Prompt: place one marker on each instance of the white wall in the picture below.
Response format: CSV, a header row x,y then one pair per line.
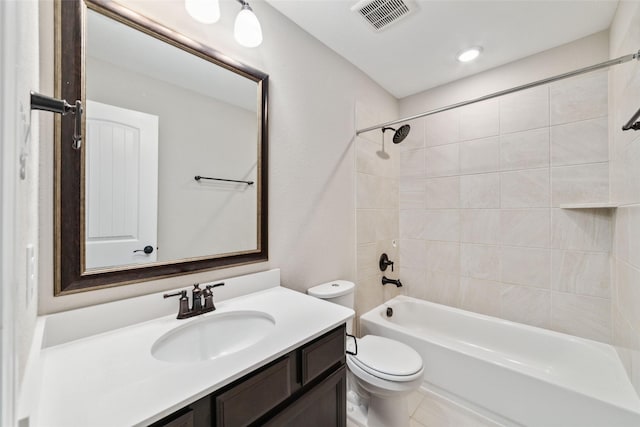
x,y
311,162
198,135
19,216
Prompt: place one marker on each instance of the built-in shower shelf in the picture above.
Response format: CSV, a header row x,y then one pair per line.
x,y
600,205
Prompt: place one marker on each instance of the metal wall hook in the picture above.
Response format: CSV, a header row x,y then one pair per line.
x,y
61,106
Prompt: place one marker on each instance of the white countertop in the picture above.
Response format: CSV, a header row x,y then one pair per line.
x,y
111,379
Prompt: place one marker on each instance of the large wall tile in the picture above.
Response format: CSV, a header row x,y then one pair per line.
x,y
527,305
365,260
411,224
414,280
480,191
411,184
442,224
580,142
376,192
524,110
581,229
366,225
525,150
442,288
580,184
526,227
369,294
413,254
412,163
480,155
442,160
443,193
633,235
627,297
413,200
525,189
443,256
481,296
442,128
480,226
479,120
526,266
579,98
480,261
387,223
583,273
586,317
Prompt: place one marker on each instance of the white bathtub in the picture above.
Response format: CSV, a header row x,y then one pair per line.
x,y
513,373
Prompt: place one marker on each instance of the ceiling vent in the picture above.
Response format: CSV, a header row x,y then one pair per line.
x,y
382,13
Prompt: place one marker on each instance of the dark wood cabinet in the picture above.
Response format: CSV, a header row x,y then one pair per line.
x,y
306,387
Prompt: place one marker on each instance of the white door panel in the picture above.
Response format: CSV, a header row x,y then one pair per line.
x,y
121,181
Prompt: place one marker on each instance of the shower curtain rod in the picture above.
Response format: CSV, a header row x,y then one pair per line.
x,y
620,60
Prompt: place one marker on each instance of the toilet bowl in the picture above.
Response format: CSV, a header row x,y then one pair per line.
x,y
382,371
387,371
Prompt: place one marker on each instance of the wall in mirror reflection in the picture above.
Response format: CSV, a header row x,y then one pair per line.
x,y
137,184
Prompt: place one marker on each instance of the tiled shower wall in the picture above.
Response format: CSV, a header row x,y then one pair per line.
x,y
376,212
480,222
625,189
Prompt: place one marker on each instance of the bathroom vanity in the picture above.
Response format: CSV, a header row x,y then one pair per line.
x,y
107,366
305,387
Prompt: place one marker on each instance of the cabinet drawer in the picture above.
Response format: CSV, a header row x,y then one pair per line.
x,y
255,396
322,354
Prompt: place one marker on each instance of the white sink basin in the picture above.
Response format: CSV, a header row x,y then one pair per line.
x,y
213,336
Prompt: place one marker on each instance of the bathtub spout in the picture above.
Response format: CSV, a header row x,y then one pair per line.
x,y
397,282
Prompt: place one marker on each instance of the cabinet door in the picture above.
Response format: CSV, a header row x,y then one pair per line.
x,y
325,405
252,398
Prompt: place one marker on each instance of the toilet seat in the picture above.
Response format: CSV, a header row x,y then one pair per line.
x,y
387,359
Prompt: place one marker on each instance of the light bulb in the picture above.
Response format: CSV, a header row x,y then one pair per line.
x,y
205,11
246,30
469,54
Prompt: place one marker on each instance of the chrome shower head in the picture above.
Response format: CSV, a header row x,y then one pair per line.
x,y
400,134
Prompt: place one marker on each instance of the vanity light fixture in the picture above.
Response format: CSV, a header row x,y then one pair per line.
x,y
247,30
205,11
470,54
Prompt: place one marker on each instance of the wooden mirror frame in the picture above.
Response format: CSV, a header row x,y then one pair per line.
x,y
69,228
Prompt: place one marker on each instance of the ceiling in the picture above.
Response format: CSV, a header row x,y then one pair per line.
x,y
419,51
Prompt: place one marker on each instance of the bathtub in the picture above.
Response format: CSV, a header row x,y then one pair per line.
x,y
511,373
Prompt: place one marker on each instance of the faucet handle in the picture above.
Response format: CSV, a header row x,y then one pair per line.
x,y
209,287
208,297
181,294
384,262
183,311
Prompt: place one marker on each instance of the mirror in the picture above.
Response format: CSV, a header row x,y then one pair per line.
x,y
171,175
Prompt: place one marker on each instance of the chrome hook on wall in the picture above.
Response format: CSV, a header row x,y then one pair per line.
x,y
61,106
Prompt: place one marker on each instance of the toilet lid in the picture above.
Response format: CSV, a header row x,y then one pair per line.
x,y
387,358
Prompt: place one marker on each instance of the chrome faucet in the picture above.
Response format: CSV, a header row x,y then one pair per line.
x,y
184,312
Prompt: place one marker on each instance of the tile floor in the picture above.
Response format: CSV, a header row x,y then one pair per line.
x,y
431,410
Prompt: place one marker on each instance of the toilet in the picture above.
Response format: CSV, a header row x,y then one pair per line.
x,y
382,373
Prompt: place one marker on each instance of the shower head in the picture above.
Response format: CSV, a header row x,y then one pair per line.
x,y
399,134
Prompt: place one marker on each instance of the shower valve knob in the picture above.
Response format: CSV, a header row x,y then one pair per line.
x,y
384,263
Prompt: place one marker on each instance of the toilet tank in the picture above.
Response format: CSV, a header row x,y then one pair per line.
x,y
340,292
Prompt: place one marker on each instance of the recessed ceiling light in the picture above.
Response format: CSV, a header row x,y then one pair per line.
x,y
469,54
